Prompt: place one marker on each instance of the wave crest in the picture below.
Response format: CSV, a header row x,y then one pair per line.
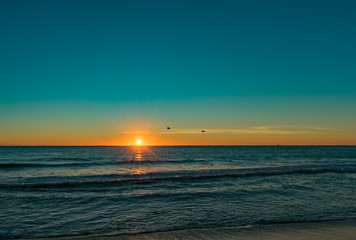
x,y
111,179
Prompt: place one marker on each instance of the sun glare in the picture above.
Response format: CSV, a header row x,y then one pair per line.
x,y
138,142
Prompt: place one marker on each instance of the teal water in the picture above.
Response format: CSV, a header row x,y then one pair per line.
x,y
86,191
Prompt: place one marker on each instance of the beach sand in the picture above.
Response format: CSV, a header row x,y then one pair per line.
x,y
335,230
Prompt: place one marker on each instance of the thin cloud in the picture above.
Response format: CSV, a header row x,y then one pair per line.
x,y
278,130
231,131
297,127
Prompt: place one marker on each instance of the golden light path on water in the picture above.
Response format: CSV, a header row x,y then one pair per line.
x,y
138,156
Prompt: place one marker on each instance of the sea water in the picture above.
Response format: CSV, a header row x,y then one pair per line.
x,y
94,191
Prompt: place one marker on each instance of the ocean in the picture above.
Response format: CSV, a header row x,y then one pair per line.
x,y
56,192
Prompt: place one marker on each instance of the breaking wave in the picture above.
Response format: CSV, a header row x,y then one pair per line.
x,y
36,165
112,179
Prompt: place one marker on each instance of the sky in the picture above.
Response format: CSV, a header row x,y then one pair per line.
x,y
248,72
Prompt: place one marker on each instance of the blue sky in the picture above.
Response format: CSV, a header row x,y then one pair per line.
x,y
202,58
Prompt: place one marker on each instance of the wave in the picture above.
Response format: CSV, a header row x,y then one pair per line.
x,y
225,231
11,165
51,159
66,158
29,165
158,161
113,179
48,165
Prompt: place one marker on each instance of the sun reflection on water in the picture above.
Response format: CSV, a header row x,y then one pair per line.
x,y
138,157
138,154
138,172
141,160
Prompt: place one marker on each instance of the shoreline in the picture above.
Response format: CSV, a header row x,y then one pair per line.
x,y
332,230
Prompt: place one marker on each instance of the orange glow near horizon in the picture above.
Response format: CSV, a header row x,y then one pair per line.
x,y
180,139
149,134
154,139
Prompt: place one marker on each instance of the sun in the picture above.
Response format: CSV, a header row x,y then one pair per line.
x,y
138,142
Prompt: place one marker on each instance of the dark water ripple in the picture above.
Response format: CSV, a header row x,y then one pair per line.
x,y
75,191
51,182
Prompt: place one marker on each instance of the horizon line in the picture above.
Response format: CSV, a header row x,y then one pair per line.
x,y
192,145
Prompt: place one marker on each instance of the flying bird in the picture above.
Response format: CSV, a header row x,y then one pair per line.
x,y
168,128
203,131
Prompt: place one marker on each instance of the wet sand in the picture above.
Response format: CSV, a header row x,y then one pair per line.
x,y
335,230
